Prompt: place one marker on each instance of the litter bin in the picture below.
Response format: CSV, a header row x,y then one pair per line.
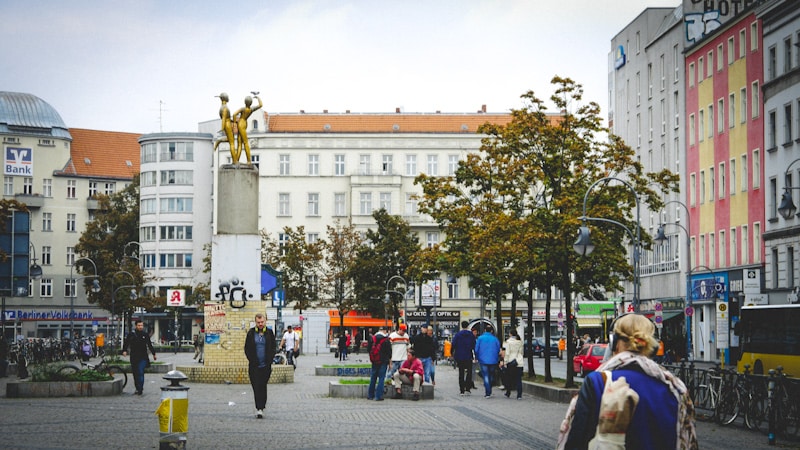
x,y
173,412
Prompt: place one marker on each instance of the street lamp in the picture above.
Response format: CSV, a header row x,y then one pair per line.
x,y
661,237
583,245
388,291
786,207
134,296
73,288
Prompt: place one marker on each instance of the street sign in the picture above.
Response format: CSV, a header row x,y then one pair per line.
x,y
689,311
176,297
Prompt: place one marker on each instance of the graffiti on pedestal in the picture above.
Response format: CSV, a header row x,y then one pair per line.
x,y
233,291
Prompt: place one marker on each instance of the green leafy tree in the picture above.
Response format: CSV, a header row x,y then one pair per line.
x,y
340,258
301,264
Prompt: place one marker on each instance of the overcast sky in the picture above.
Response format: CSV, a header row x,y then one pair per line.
x,y
155,65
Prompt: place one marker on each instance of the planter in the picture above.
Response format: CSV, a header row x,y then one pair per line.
x,y
344,371
550,393
338,390
27,389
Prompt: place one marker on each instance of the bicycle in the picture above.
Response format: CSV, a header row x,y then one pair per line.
x,y
708,391
781,406
103,367
280,357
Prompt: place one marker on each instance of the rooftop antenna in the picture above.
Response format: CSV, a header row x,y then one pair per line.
x,y
161,116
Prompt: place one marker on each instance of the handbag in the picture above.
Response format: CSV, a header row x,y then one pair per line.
x,y
295,353
336,355
511,364
617,406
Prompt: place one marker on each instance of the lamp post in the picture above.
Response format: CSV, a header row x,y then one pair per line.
x,y
661,237
114,300
583,245
786,207
395,291
73,288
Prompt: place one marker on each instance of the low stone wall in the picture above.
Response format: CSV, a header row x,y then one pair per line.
x,y
234,375
343,371
553,394
26,389
338,390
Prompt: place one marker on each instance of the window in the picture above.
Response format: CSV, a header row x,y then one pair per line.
x,y
47,253
452,164
70,256
772,63
720,61
676,58
365,203
745,245
177,151
47,221
284,204
411,205
433,165
787,124
284,165
723,252
182,177
701,68
790,267
676,108
148,206
313,204
638,88
731,51
411,165
754,102
743,106
754,36
174,232
691,74
69,288
742,42
702,186
176,205
145,179
72,188
650,80
701,127
27,186
8,185
733,248
46,287
385,201
710,121
702,249
772,211
757,242
720,115
149,153
338,165
663,117
771,131
47,187
638,130
452,289
711,184
386,165
650,124
313,165
732,177
756,170
692,130
722,184
70,222
431,238
692,190
710,70
663,68
312,238
148,261
175,260
638,43
712,250
339,204
744,173
111,186
731,109
364,164
147,234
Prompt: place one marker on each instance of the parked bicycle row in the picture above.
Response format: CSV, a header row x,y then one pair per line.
x,y
767,403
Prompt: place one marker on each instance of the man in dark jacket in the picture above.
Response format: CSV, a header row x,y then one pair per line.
x,y
259,347
425,349
463,353
139,342
377,381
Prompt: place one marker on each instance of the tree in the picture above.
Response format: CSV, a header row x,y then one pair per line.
x,y
512,209
301,264
105,241
387,252
340,252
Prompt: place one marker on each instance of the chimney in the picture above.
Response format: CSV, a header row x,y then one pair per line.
x,y
397,110
302,111
483,109
347,111
324,111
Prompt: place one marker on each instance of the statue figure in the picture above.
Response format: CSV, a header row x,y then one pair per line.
x,y
227,127
240,117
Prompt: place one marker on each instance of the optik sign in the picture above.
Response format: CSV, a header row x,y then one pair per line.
x,y
18,161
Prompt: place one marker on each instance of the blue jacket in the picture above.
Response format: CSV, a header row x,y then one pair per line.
x,y
654,422
487,348
463,345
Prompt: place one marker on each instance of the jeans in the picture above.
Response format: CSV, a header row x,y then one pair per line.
x,y
290,356
342,354
464,375
487,370
259,377
377,380
394,367
137,367
427,368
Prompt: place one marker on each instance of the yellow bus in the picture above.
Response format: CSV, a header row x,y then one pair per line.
x,y
769,336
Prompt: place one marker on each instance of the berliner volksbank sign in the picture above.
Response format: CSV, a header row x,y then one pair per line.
x,y
18,161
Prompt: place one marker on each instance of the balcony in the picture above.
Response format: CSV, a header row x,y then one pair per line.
x,y
92,204
33,201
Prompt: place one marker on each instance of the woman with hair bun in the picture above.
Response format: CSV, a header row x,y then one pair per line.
x,y
663,418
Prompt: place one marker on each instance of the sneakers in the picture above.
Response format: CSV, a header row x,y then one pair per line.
x,y
379,399
487,396
137,393
370,398
416,396
508,394
259,413
398,394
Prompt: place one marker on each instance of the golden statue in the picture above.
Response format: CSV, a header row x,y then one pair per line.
x,y
240,117
227,127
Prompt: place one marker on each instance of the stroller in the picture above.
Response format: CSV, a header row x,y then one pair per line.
x,y
86,350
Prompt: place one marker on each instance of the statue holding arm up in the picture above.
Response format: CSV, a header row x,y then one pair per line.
x,y
241,117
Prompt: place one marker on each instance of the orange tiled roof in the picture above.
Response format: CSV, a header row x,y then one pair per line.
x,y
103,154
381,122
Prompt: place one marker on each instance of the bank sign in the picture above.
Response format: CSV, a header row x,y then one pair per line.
x,y
18,161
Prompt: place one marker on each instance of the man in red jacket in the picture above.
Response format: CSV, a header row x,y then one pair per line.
x,y
410,372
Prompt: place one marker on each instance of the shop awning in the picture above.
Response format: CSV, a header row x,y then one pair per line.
x,y
587,322
666,315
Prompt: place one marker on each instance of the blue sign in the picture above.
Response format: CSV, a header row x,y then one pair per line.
x,y
18,161
278,298
619,57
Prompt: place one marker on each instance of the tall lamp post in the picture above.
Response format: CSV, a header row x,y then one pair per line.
x,y
786,207
583,245
388,291
134,296
688,311
73,289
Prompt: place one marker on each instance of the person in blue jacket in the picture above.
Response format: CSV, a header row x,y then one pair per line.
x,y
664,415
464,353
487,351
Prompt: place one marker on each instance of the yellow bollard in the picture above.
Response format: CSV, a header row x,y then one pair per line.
x,y
173,412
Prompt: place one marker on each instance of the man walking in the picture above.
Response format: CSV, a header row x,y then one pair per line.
x,y
139,342
487,350
400,344
259,347
463,352
290,342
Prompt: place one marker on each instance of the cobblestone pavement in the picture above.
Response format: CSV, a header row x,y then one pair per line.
x,y
302,416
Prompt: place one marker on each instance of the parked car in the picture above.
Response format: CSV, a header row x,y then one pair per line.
x,y
588,358
538,348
